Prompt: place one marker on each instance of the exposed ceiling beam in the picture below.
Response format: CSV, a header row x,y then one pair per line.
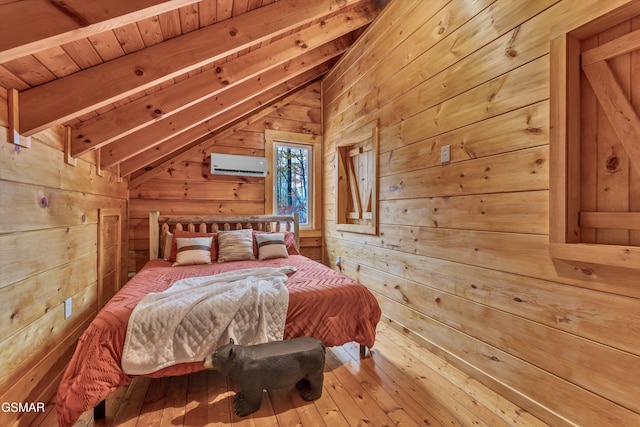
x,y
87,90
194,136
30,26
206,127
163,130
128,118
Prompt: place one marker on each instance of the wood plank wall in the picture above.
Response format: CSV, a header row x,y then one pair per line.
x,y
48,253
189,189
461,262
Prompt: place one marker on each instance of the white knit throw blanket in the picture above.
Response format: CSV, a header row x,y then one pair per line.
x,y
194,316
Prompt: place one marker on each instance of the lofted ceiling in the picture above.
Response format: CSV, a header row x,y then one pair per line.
x,y
140,80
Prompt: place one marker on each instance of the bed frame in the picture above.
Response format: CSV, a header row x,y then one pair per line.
x,y
160,225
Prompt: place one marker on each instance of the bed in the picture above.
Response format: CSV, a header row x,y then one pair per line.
x,y
322,303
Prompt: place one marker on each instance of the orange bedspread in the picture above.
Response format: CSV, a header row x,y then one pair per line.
x,y
322,303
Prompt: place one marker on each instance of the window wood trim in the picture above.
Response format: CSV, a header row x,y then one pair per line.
x,y
271,136
349,206
565,216
564,167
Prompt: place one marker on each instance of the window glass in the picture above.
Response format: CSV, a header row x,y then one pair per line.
x,y
292,180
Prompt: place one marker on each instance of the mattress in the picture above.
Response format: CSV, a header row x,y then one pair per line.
x,y
323,304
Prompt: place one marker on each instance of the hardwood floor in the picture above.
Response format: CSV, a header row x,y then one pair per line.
x,y
401,383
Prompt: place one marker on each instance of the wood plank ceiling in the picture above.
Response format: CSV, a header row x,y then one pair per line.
x,y
127,77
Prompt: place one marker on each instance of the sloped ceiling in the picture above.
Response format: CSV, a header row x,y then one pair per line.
x,y
134,77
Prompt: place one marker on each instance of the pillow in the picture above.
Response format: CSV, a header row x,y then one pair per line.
x,y
271,246
235,245
190,234
289,242
194,250
167,244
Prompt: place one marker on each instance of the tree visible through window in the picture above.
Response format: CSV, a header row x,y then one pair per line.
x,y
293,180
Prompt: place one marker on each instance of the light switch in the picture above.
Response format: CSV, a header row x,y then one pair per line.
x,y
67,308
445,154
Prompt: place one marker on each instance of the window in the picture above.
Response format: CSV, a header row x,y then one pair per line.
x,y
294,161
356,181
595,158
292,180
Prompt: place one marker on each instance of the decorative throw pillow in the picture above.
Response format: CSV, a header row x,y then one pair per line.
x,y
289,242
166,246
271,246
190,234
195,250
235,245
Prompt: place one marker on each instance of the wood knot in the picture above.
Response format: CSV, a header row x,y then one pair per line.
x,y
218,69
613,163
511,53
516,299
437,300
474,286
441,30
44,202
138,72
233,33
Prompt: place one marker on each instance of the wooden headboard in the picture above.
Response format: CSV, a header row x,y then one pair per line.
x,y
159,225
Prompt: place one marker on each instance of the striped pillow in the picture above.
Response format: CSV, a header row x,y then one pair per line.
x,y
289,242
190,234
271,246
194,250
235,245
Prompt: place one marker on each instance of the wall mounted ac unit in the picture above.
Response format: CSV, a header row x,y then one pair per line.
x,y
230,164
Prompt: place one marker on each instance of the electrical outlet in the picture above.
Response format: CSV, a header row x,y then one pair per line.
x,y
445,154
67,308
